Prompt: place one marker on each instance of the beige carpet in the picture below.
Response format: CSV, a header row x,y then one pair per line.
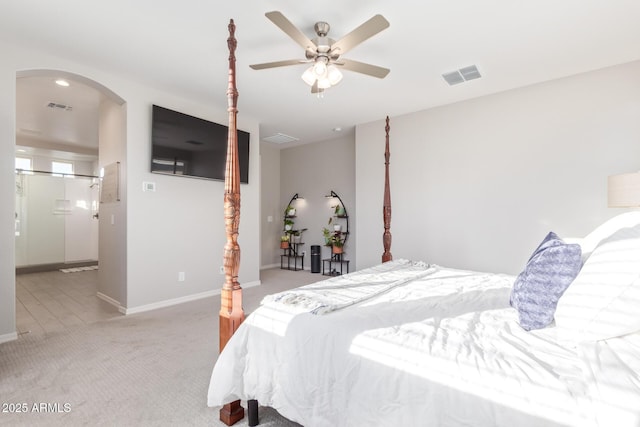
x,y
148,369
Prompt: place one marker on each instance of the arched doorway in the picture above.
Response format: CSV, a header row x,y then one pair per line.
x,y
58,121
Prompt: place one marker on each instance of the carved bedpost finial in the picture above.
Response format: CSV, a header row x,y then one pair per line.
x,y
386,206
231,312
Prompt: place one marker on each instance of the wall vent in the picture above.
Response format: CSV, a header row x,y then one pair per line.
x,y
280,138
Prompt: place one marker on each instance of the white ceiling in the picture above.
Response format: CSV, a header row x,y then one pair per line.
x,y
181,47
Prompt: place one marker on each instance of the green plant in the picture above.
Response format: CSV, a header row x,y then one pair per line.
x,y
327,236
288,224
297,235
338,210
290,211
284,238
299,232
333,238
337,239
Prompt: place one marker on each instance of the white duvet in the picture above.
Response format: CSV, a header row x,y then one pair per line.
x,y
443,349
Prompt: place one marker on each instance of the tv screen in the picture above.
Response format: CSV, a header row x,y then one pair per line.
x,y
189,146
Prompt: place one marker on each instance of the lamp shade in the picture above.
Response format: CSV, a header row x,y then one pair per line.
x,y
624,190
334,75
308,76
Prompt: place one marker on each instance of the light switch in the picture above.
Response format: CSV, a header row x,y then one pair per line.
x,y
148,186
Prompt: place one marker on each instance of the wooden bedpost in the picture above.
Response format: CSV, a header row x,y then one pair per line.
x,y
231,312
386,206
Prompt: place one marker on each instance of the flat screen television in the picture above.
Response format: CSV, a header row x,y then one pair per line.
x,y
189,146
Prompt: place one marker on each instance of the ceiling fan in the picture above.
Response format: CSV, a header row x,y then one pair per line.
x,y
324,54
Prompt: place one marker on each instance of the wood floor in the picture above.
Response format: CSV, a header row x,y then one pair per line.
x,y
53,301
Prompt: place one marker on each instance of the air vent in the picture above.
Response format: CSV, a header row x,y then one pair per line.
x,y
470,73
280,138
193,142
453,78
462,75
56,106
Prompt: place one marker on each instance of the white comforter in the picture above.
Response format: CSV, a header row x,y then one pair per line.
x,y
443,349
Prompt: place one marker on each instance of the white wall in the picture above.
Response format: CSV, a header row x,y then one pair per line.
x,y
178,228
112,233
478,184
312,171
7,195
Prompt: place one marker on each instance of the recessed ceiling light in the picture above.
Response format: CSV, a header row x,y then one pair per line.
x,y
338,129
62,82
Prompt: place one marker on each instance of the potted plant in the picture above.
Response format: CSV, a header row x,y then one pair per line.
x,y
284,242
327,236
288,224
337,242
335,239
296,235
290,211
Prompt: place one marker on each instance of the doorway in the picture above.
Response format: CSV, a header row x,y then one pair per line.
x,y
58,118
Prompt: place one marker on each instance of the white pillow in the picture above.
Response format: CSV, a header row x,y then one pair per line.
x,y
606,229
604,299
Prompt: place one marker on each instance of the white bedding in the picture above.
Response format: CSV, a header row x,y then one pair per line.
x,y
441,350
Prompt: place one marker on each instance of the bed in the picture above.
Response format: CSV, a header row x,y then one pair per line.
x,y
412,343
442,348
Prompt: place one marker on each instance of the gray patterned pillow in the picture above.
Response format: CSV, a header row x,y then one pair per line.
x,y
548,273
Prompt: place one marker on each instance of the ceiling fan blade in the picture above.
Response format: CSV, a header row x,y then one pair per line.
x,y
361,67
369,29
278,64
291,30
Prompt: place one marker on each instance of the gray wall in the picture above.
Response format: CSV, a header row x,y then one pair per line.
x,y
270,205
312,171
477,184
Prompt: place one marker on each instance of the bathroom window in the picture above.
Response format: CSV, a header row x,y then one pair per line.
x,y
59,168
24,164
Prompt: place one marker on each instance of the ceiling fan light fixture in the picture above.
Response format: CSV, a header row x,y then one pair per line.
x,y
308,76
320,67
324,83
334,75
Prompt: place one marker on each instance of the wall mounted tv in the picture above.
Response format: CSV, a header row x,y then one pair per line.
x,y
189,146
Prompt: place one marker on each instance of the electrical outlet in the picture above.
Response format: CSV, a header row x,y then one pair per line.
x,y
181,276
222,269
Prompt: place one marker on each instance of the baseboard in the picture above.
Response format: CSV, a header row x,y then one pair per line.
x,y
180,300
39,268
270,266
111,301
8,337
252,284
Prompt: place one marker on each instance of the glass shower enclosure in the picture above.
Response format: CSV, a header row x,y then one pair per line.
x,y
56,218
